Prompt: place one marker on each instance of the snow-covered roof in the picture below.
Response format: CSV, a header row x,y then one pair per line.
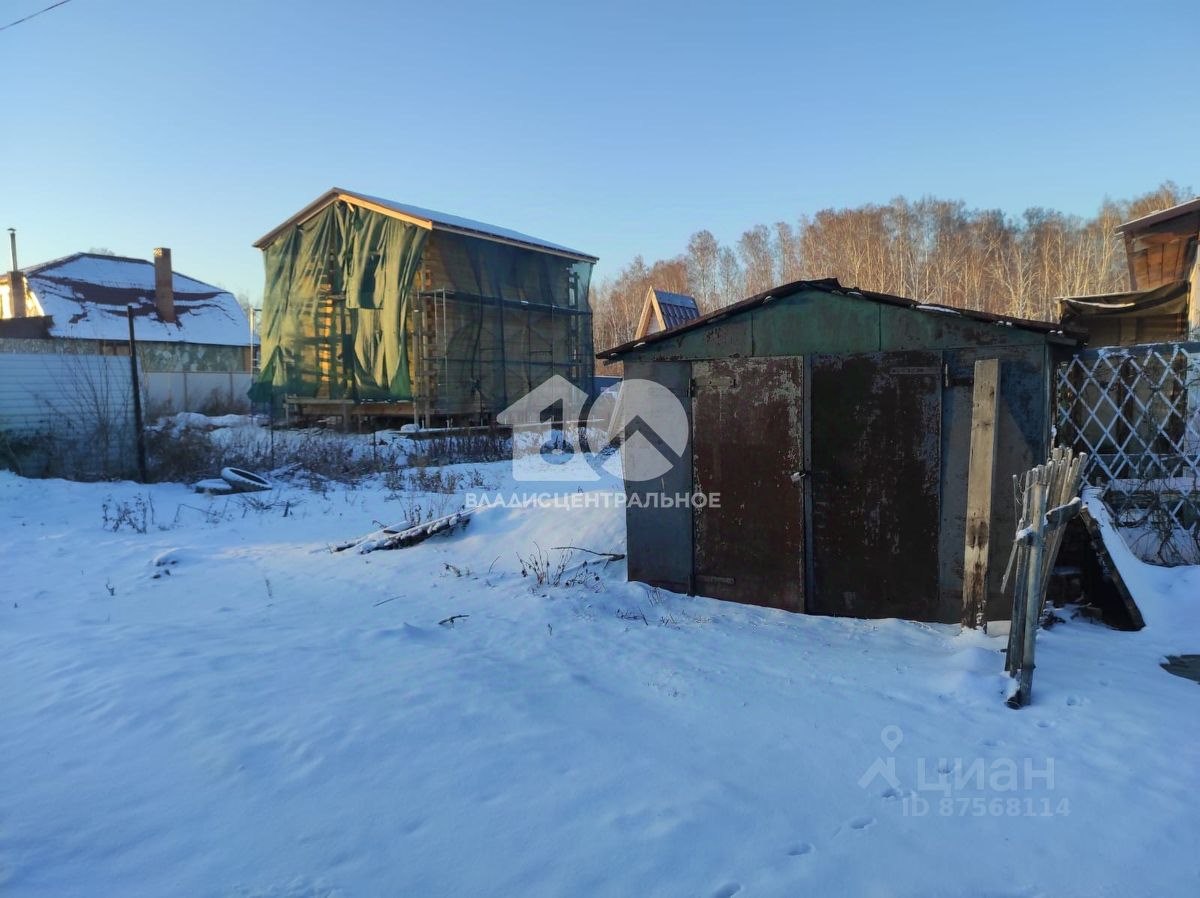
x,y
427,218
86,296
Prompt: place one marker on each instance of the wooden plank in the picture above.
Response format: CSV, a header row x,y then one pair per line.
x,y
1050,499
981,473
1193,324
1109,572
401,536
649,308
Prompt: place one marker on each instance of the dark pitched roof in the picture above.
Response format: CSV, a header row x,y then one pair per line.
x,y
831,285
676,308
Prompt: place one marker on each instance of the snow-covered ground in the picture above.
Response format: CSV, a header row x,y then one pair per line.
x,y
221,706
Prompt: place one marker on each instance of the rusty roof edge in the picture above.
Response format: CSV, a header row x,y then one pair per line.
x,y
1029,324
1051,329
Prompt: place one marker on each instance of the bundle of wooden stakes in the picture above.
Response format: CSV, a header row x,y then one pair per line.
x,y
1047,497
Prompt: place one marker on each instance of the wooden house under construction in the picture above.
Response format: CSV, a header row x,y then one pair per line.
x,y
383,309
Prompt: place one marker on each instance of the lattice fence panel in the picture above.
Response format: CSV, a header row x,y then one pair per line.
x,y
1136,411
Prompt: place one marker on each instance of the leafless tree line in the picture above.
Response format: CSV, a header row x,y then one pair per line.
x,y
929,249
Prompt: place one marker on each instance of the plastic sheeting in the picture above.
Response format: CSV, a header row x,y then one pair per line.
x,y
362,306
504,319
336,304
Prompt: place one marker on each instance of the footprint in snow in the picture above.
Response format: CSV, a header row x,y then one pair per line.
x,y
861,823
1075,701
728,890
800,849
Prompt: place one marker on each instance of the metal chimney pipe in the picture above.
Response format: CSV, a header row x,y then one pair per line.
x,y
164,287
16,281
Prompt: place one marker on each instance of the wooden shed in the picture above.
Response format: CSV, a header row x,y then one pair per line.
x,y
1164,271
834,425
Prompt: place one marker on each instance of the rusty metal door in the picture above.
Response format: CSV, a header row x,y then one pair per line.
x,y
747,449
876,484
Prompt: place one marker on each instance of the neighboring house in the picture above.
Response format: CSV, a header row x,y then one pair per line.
x,y
193,338
833,426
663,310
1164,270
379,308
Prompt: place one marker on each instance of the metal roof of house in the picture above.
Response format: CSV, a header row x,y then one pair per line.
x,y
86,296
677,308
831,285
429,219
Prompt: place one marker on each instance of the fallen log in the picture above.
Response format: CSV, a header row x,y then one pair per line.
x,y
401,536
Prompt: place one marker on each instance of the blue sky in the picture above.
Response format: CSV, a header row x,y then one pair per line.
x,y
617,128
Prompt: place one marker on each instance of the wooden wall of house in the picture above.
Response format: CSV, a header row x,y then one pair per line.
x,y
1162,253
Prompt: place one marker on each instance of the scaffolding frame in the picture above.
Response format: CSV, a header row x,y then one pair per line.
x,y
439,388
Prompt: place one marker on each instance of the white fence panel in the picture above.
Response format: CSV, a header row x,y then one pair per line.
x,y
167,392
67,412
38,390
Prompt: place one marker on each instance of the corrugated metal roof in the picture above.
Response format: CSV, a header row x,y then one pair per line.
x,y
677,308
430,218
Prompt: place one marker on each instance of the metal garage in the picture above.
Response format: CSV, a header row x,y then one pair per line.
x,y
834,424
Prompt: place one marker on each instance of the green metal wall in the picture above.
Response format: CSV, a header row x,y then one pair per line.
x,y
816,321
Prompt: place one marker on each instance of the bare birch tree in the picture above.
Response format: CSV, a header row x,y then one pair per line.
x,y
930,249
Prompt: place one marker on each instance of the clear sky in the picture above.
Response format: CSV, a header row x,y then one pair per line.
x,y
616,128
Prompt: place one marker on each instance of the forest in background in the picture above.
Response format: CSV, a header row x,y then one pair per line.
x,y
930,249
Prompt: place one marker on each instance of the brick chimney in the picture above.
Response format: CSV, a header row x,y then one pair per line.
x,y
16,281
164,289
